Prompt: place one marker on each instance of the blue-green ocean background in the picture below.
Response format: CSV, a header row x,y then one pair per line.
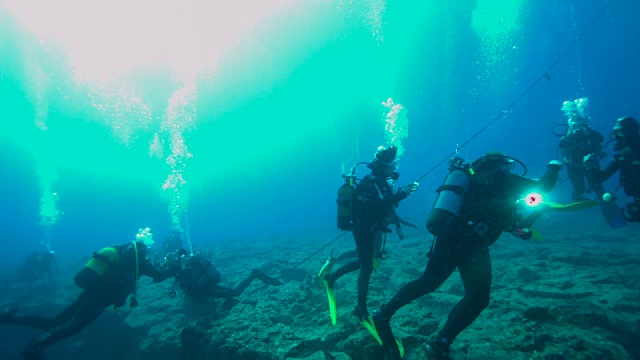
x,y
440,75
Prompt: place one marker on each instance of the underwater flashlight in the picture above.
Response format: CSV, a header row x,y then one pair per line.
x,y
533,199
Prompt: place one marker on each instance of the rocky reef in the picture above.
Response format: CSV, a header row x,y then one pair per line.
x,y
574,296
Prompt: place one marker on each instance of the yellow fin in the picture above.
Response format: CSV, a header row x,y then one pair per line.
x,y
400,348
332,303
536,235
576,206
368,324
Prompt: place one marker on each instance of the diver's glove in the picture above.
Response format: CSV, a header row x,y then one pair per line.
x,y
590,162
555,164
524,234
409,189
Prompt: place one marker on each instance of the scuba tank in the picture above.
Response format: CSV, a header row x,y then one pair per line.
x,y
346,198
450,197
96,267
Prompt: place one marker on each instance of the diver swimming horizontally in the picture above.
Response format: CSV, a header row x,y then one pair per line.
x,y
109,277
199,279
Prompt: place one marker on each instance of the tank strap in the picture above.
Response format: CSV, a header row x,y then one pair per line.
x,y
104,258
455,188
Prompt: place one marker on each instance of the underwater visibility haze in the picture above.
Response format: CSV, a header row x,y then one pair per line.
x,y
232,123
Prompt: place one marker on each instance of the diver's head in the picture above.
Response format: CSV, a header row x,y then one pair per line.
x,y
145,237
577,113
625,133
176,259
494,161
384,163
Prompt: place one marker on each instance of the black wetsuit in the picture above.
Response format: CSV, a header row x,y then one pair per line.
x,y
375,202
627,161
112,288
200,279
575,145
487,211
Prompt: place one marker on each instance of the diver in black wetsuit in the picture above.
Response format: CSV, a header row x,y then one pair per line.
x,y
375,200
487,210
626,138
579,141
107,279
199,279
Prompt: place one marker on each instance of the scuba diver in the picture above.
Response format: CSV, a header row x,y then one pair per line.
x,y
626,145
475,205
578,141
39,266
371,202
199,279
108,278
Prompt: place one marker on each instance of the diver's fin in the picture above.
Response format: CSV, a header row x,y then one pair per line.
x,y
580,205
536,235
368,324
376,263
613,214
326,268
400,348
332,302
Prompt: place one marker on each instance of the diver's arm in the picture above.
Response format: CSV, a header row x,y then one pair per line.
x,y
522,184
602,175
548,181
147,269
368,193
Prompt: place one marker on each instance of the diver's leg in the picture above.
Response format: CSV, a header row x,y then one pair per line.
x,y
377,244
41,322
365,240
238,290
475,271
441,263
260,275
351,254
88,308
345,269
576,176
596,187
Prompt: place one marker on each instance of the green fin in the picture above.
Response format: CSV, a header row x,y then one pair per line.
x,y
400,348
576,206
376,263
536,235
368,324
332,302
326,268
